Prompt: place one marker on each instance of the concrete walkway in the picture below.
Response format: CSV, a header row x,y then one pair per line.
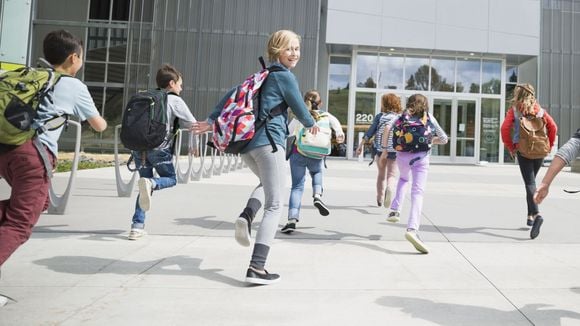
x,y
349,268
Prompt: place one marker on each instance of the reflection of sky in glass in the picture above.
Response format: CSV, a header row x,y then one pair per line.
x,y
491,77
411,66
445,68
339,75
338,81
391,72
366,66
467,74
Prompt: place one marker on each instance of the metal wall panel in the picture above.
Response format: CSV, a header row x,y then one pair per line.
x,y
560,64
216,43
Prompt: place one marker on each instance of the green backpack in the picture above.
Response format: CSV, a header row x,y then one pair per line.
x,y
21,91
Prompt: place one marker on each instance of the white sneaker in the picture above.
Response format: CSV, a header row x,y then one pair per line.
x,y
393,217
242,232
387,201
145,194
3,300
414,239
135,234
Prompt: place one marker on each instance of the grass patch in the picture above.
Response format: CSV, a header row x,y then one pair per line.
x,y
66,165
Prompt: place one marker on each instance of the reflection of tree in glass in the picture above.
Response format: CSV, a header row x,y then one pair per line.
x,y
513,77
491,87
369,83
420,80
474,88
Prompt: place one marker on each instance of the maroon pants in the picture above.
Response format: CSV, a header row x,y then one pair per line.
x,y
24,171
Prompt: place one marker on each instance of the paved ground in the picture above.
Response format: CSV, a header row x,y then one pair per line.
x,y
351,267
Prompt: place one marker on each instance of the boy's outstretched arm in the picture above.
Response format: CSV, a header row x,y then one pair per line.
x,y
97,123
555,167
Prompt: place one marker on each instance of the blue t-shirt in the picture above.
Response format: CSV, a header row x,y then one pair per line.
x,y
70,96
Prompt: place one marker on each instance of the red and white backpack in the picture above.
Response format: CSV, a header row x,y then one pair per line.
x,y
239,119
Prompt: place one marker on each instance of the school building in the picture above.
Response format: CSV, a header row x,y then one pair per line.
x,y
465,56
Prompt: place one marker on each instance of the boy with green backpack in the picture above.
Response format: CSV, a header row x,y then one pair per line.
x,y
27,158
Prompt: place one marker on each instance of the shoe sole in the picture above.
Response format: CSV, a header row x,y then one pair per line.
x,y
260,281
144,195
535,232
242,234
387,201
393,219
321,209
135,237
419,246
287,231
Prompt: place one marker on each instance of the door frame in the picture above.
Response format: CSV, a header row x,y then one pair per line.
x,y
452,157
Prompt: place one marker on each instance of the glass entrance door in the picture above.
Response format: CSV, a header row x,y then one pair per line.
x,y
459,119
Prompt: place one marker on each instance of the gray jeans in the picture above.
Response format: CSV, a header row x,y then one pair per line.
x,y
270,169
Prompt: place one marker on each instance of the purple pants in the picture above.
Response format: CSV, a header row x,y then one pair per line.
x,y
415,166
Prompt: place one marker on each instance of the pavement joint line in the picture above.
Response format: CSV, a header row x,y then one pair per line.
x,y
478,270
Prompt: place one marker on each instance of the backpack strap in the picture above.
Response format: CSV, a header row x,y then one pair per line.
x,y
43,155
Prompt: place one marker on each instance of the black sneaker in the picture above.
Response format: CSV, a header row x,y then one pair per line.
x,y
529,221
258,278
535,232
289,227
322,209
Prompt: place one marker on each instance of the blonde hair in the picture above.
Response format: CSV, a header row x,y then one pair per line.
x,y
417,105
313,101
391,102
524,99
279,41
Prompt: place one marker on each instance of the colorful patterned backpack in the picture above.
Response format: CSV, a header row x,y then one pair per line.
x,y
239,119
412,134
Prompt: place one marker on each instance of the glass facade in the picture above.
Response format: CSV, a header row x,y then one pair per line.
x,y
464,92
338,89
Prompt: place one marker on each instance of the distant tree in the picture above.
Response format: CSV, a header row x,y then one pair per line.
x,y
411,83
513,77
474,88
370,83
460,87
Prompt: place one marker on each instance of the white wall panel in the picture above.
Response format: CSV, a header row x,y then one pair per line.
x,y
372,7
353,28
462,13
485,26
405,33
471,40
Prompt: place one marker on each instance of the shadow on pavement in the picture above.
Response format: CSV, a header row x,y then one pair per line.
x,y
483,230
174,265
459,315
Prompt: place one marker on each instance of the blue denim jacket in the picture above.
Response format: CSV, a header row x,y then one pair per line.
x,y
279,86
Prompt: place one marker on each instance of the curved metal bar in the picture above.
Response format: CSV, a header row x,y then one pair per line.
x,y
58,204
208,171
196,174
240,162
184,177
123,189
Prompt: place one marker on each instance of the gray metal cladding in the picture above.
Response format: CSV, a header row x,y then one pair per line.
x,y
216,43
559,86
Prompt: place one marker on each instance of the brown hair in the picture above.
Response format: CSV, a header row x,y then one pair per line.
x,y
59,44
391,102
417,105
278,42
524,99
313,101
165,74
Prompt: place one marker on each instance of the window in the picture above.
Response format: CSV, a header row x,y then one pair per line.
x,y
366,70
490,133
338,88
491,77
468,73
391,72
442,75
417,73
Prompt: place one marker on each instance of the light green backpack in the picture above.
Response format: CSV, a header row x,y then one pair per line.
x,y
21,91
